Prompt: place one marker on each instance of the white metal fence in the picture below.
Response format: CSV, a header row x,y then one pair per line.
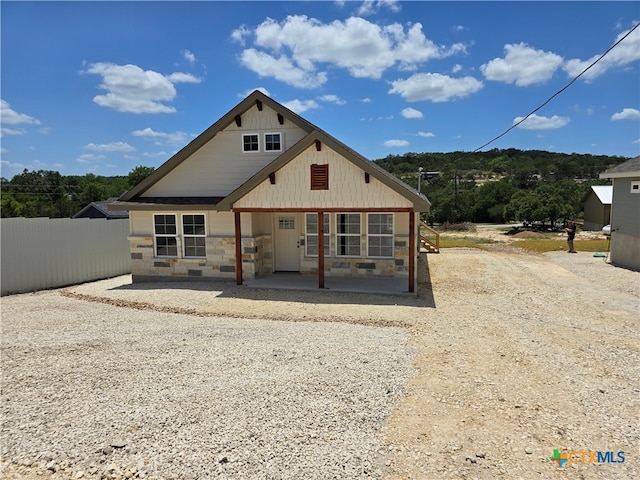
x,y
40,253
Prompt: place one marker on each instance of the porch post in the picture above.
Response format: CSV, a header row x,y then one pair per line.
x,y
238,249
320,249
412,250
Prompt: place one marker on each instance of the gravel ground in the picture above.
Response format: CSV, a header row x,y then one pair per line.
x,y
503,358
90,390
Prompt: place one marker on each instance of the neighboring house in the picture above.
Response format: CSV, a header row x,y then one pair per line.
x,y
101,210
263,190
597,207
625,214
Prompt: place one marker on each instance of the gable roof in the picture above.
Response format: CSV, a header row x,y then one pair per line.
x,y
103,209
133,196
603,192
630,168
420,202
209,133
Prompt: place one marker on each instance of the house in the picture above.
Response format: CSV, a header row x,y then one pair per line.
x,y
101,210
597,207
625,214
261,191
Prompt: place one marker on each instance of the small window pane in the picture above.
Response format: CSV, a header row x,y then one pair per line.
x,y
250,143
167,247
272,142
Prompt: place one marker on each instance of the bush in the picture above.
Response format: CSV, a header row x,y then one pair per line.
x,y
458,227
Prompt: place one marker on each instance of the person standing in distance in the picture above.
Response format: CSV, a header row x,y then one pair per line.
x,y
571,234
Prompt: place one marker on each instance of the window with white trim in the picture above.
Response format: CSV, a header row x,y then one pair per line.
x,y
348,234
380,235
635,186
272,142
166,235
194,235
311,235
250,142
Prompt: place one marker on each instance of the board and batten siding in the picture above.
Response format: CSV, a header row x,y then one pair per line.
x,y
347,186
41,253
220,166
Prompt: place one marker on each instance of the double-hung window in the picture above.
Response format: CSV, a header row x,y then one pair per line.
x,y
250,142
348,234
194,235
380,235
272,142
311,235
166,235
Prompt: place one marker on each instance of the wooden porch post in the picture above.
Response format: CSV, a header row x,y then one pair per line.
x,y
320,249
412,250
238,249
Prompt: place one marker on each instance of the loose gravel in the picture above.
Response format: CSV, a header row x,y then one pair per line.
x,y
503,358
90,390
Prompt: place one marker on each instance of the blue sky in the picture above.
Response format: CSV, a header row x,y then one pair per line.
x,y
103,87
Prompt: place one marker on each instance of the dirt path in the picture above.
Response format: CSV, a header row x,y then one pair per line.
x,y
521,356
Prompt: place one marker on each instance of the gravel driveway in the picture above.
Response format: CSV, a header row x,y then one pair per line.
x,y
503,358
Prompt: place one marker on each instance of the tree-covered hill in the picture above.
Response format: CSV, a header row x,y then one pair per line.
x,y
502,185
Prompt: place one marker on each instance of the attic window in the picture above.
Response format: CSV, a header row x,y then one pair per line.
x,y
635,186
250,142
319,177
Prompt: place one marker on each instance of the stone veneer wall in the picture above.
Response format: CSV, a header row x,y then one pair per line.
x,y
219,263
361,266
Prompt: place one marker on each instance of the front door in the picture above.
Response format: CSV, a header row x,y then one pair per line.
x,y
287,242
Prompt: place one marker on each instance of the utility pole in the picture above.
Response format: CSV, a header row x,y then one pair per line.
x,y
420,169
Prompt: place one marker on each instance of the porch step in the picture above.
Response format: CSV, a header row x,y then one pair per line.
x,y
426,247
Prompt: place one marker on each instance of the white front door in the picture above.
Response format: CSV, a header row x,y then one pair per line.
x,y
287,242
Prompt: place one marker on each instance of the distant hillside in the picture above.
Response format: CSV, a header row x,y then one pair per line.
x,y
511,163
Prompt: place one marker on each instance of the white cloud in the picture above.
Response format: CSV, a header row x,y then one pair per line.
x,y
434,87
426,134
396,143
282,69
522,65
295,50
627,114
8,116
412,113
189,56
299,106
535,122
12,131
366,100
636,141
240,34
133,90
161,138
89,158
129,157
110,147
369,7
154,154
456,68
250,91
628,51
332,99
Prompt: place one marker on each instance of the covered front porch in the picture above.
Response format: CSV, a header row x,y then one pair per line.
x,y
393,265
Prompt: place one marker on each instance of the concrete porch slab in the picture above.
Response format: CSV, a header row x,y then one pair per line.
x,y
295,281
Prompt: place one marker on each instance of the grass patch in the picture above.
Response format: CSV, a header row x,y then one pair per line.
x,y
542,245
464,242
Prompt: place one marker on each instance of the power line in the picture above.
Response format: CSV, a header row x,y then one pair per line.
x,y
559,91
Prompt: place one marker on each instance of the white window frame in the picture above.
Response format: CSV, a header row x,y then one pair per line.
x,y
327,235
257,135
380,235
338,235
193,235
165,235
265,141
635,186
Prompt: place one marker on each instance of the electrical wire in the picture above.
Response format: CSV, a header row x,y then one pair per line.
x,y
559,91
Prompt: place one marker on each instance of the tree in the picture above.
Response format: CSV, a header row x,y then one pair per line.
x,y
138,174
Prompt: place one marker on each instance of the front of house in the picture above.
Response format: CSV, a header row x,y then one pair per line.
x,y
263,191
